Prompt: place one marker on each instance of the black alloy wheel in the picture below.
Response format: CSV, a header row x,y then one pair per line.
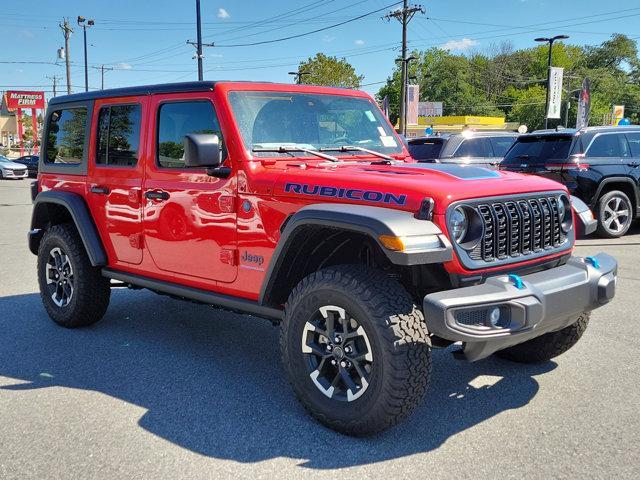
x,y
338,353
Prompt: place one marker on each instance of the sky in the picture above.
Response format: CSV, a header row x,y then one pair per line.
x,y
144,42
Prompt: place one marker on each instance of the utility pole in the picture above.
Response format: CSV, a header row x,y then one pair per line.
x,y
55,84
297,76
102,68
67,31
404,16
198,44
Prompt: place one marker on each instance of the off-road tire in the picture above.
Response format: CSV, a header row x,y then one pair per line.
x,y
91,293
547,346
399,342
605,232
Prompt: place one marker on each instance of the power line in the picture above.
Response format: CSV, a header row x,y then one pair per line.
x,y
290,37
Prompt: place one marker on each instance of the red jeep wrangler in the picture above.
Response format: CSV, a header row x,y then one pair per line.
x,y
300,204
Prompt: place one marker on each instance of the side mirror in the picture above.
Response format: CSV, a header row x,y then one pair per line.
x,y
202,150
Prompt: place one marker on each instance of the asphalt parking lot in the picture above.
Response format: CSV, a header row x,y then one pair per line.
x,y
167,389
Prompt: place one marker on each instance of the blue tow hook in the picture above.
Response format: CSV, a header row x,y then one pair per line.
x,y
593,261
517,281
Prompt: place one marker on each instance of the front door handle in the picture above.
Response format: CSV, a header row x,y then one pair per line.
x,y
99,189
156,195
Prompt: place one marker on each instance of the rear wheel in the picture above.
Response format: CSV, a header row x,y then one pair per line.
x,y
615,214
355,349
74,293
547,346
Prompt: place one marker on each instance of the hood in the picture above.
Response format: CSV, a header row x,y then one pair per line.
x,y
12,165
403,185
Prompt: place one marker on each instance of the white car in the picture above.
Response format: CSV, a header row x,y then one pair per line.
x,y
9,169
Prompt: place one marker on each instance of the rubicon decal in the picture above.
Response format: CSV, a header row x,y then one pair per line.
x,y
348,193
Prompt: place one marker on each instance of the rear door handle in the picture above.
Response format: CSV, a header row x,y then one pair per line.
x,y
99,189
156,195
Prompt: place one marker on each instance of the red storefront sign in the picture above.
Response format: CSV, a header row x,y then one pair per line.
x,y
15,100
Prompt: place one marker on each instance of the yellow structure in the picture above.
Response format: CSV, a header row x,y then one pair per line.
x,y
458,123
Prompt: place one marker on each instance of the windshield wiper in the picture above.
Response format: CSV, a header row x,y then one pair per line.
x,y
284,149
523,156
353,148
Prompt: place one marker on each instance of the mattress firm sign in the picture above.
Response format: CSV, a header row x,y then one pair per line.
x,y
16,99
555,92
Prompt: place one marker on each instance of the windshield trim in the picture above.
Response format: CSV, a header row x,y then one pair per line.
x,y
356,94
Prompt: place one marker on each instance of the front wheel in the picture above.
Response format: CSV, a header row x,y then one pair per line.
x,y
355,349
547,346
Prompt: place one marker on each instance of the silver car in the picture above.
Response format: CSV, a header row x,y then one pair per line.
x,y
9,169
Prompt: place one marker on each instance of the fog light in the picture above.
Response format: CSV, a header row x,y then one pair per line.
x,y
494,317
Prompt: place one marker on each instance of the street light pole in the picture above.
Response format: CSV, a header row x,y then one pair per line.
x,y
89,23
550,42
297,76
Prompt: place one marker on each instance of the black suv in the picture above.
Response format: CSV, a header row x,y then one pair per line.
x,y
481,148
600,165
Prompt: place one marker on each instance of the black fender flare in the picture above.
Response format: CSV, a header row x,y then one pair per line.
x,y
369,220
81,217
608,180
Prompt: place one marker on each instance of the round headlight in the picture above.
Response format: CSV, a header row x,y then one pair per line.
x,y
565,213
458,224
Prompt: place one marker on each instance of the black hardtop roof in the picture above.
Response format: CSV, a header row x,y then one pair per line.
x,y
140,90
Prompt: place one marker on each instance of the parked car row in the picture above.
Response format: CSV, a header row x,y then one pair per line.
x,y
599,165
22,167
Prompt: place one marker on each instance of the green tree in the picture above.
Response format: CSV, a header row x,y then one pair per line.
x,y
329,71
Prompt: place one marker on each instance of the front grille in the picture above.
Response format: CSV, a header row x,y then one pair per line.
x,y
514,228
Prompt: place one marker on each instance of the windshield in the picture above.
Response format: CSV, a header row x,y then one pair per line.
x,y
538,150
269,120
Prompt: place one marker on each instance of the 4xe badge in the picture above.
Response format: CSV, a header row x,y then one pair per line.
x,y
256,260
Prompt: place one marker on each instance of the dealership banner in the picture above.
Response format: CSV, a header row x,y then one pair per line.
x,y
555,92
584,105
19,99
413,96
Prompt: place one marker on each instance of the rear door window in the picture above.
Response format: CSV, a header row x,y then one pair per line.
x,y
118,135
608,146
65,136
539,150
501,145
474,147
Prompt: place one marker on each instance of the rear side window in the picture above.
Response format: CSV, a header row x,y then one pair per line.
x,y
539,150
177,120
65,136
634,143
426,150
118,135
501,145
609,145
474,147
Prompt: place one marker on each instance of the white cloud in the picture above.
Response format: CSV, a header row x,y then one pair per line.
x,y
464,44
328,38
222,13
123,66
359,42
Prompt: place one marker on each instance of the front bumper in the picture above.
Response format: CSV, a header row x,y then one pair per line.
x,y
10,173
523,307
